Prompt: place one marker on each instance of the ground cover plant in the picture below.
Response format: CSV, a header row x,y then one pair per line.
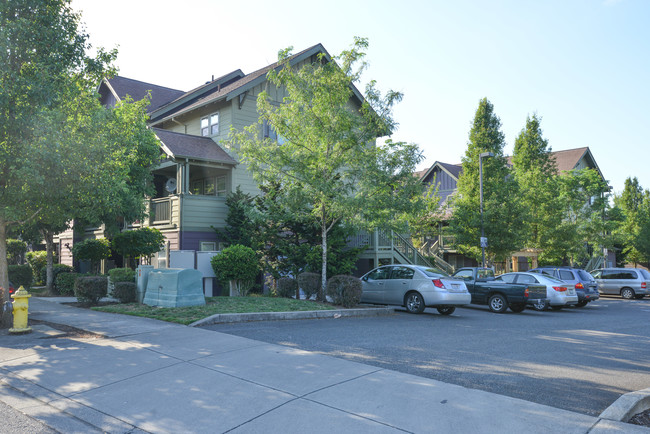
x,y
215,305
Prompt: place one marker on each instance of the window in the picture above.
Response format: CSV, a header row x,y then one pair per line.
x,y
402,273
208,246
566,275
525,278
210,125
221,186
464,274
379,274
196,187
268,131
508,278
211,186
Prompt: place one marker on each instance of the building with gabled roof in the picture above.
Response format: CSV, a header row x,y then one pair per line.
x,y
445,176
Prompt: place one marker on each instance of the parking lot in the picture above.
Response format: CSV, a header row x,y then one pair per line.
x,y
579,359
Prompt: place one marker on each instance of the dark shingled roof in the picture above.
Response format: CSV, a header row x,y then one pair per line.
x,y
195,147
454,169
233,88
138,89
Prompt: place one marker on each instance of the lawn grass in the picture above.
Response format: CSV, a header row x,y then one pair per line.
x,y
215,305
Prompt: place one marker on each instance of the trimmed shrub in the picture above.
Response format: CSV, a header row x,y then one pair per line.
x,y
20,275
121,275
64,283
56,270
344,290
238,266
90,289
139,243
37,260
124,291
287,287
309,283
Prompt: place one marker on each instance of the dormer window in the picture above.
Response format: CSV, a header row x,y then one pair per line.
x,y
210,125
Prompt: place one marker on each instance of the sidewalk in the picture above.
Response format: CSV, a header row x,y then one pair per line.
x,y
142,375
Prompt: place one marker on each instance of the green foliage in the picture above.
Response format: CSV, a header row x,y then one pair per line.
x,y
121,275
37,260
64,283
635,223
93,250
309,283
124,291
237,264
240,223
344,290
46,78
21,275
139,243
536,173
502,212
90,289
327,162
56,270
287,287
16,250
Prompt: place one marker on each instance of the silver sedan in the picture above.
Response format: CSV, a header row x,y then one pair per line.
x,y
414,287
559,293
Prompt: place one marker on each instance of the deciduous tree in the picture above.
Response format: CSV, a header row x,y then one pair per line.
x,y
327,161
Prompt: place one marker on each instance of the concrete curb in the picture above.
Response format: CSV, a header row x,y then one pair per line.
x,y
627,406
279,316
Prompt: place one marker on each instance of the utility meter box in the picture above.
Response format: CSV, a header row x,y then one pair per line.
x,y
174,287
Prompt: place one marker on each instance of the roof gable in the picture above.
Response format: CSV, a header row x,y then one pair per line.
x,y
178,145
233,88
120,87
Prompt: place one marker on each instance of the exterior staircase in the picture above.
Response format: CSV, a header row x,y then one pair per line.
x,y
389,247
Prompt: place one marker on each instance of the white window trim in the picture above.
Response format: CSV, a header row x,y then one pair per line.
x,y
209,128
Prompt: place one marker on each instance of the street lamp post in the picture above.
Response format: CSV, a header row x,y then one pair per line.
x,y
480,177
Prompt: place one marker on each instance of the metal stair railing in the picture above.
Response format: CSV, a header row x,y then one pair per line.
x,y
594,263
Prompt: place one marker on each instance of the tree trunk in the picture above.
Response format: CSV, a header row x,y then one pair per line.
x,y
49,270
321,293
6,316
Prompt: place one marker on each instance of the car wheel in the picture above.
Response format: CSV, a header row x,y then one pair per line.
x,y
540,306
498,303
517,307
639,296
414,302
627,293
446,310
582,303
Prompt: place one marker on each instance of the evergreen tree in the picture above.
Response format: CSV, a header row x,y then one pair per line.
x,y
536,173
503,214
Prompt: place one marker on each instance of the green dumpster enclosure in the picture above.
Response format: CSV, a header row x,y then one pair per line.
x,y
174,287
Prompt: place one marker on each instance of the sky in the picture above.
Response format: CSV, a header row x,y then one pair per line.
x,y
581,65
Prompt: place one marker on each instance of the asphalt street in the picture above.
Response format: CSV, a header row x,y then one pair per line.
x,y
578,359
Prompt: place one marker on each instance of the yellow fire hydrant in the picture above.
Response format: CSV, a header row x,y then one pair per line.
x,y
20,311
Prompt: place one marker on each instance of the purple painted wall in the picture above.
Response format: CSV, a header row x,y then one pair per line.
x,y
190,240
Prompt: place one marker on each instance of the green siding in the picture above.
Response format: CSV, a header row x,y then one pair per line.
x,y
200,213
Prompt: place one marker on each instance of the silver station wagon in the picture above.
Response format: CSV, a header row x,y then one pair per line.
x,y
626,282
414,287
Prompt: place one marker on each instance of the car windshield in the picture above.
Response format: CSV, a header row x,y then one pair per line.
x,y
433,272
585,276
644,273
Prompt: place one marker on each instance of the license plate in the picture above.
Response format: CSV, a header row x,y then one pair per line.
x,y
455,285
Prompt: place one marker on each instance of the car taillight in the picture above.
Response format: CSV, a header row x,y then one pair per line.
x,y
580,286
438,283
526,292
643,285
560,288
